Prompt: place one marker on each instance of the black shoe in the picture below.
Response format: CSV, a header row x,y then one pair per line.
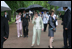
x,y
27,36
24,36
64,47
69,47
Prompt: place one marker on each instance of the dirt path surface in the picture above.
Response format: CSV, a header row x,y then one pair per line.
x,y
15,42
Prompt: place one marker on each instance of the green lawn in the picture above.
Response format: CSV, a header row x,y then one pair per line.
x,y
12,21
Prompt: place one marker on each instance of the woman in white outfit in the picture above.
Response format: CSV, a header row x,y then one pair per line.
x,y
38,26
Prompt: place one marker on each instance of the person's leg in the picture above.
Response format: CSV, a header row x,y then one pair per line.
x,y
1,44
44,27
29,18
69,37
18,32
51,38
34,36
21,28
65,38
38,36
26,30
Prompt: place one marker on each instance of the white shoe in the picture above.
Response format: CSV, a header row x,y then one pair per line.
x,y
18,36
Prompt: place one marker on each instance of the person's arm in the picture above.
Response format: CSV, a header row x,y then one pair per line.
x,y
33,21
56,23
69,19
21,17
42,23
46,16
51,23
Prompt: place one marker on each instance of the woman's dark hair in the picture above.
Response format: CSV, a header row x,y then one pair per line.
x,y
19,12
51,12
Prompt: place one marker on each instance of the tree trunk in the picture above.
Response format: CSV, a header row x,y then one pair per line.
x,y
55,10
9,14
13,15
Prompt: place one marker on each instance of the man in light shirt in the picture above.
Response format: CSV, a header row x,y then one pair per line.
x,y
45,20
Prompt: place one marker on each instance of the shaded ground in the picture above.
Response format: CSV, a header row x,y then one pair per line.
x,y
14,42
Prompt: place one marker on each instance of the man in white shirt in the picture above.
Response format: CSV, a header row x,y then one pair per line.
x,y
45,20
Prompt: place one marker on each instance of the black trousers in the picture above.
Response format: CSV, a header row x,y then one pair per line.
x,y
2,41
45,26
29,18
67,36
25,31
2,44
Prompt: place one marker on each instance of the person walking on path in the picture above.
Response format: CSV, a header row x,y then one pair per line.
x,y
19,24
25,23
38,26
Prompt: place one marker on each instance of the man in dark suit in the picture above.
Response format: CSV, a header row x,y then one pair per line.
x,y
4,30
6,16
67,27
25,24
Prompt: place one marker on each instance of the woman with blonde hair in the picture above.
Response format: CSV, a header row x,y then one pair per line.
x,y
38,26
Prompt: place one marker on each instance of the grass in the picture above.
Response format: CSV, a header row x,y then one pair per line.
x,y
12,21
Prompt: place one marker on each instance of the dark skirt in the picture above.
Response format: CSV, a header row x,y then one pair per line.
x,y
51,33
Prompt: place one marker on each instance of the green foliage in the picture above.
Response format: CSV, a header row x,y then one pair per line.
x,y
14,5
12,21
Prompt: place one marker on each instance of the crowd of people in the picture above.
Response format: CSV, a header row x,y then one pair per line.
x,y
40,21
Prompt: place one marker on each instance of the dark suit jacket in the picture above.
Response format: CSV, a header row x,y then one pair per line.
x,y
52,22
67,20
25,20
4,28
7,17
